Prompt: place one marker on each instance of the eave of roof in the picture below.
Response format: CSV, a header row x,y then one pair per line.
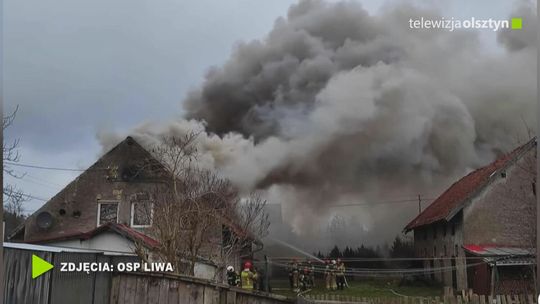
x,y
450,202
121,229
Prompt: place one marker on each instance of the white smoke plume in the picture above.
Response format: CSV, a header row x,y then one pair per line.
x,y
337,106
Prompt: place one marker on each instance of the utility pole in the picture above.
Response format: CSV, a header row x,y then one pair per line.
x,y
419,204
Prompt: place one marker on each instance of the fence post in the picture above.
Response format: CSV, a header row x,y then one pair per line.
x,y
231,297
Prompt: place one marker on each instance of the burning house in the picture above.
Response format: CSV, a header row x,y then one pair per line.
x,y
480,233
106,208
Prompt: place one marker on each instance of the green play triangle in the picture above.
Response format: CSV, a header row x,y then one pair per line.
x,y
39,266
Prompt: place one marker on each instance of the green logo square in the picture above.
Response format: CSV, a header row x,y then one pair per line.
x,y
517,23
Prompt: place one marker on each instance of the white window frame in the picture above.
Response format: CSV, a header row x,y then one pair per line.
x,y
132,217
107,202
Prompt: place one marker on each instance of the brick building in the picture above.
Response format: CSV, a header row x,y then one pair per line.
x,y
104,207
480,233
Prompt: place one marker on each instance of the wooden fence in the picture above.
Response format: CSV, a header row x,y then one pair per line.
x,y
146,288
468,299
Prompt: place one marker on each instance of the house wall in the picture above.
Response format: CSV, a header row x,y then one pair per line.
x,y
504,212
74,209
106,241
438,246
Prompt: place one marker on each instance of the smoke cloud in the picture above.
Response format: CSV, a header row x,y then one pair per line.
x,y
337,106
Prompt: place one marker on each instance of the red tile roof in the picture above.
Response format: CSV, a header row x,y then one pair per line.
x,y
121,229
455,197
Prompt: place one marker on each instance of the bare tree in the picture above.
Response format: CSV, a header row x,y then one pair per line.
x,y
250,226
192,205
13,197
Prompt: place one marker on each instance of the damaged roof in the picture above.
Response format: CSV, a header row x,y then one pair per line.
x,y
455,197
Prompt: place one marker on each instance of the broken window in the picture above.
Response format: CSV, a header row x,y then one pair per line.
x,y
141,214
107,213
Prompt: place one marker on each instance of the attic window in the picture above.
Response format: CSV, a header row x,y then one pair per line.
x,y
107,213
141,214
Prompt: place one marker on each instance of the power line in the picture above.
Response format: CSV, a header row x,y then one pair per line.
x,y
379,259
52,184
379,272
380,203
35,197
42,167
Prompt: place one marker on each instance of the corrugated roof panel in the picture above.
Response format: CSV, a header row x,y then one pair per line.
x,y
489,250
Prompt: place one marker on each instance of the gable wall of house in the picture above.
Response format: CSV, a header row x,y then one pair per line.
x,y
102,182
504,213
441,249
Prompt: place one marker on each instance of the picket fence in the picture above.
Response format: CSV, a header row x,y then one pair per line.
x,y
469,299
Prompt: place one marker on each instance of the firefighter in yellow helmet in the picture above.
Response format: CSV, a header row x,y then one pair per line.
x,y
246,276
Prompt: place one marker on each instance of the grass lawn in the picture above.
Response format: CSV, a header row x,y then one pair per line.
x,y
365,288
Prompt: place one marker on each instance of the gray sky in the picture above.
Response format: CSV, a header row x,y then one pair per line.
x,y
76,68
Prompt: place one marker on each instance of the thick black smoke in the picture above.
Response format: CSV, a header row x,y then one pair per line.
x,y
337,106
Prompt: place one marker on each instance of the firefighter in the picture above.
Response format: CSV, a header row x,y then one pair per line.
x,y
307,275
232,276
311,274
246,276
327,274
333,270
340,276
256,279
291,280
296,274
